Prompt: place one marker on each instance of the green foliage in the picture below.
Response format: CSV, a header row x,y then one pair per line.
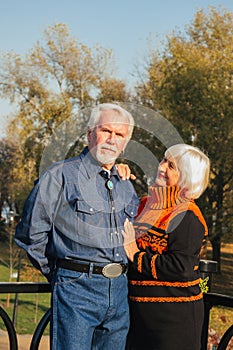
x,y
50,85
3,232
112,90
9,156
190,81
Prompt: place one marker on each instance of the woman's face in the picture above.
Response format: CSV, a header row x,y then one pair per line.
x,y
168,173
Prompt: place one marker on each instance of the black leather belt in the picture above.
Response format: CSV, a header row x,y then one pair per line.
x,y
111,270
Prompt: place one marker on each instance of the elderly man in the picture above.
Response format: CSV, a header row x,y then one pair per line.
x,y
71,230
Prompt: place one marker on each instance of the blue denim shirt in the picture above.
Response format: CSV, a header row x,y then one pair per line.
x,y
69,214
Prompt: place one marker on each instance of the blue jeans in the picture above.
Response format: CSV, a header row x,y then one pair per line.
x,y
89,311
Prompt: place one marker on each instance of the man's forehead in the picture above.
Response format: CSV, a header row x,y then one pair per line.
x,y
110,117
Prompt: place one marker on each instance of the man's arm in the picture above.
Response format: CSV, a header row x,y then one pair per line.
x,y
32,232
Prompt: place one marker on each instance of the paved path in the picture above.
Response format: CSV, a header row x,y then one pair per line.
x,y
24,342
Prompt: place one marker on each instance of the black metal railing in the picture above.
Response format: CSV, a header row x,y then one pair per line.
x,y
210,300
24,287
207,268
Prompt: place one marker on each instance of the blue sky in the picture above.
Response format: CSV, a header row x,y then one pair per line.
x,y
123,25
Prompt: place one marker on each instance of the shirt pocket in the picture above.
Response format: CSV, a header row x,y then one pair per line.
x,y
92,227
88,208
90,216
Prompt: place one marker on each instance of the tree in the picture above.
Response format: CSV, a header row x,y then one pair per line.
x,y
111,90
9,178
59,77
190,81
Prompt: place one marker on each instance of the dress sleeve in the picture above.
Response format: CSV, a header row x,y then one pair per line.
x,y
33,230
180,261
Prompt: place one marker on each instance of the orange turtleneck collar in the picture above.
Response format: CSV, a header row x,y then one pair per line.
x,y
165,197
164,203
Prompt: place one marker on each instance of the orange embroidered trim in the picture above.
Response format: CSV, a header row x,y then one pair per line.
x,y
164,283
153,266
140,256
166,299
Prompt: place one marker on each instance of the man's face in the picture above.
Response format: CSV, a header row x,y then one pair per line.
x,y
109,138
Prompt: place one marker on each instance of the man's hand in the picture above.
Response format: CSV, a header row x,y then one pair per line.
x,y
124,172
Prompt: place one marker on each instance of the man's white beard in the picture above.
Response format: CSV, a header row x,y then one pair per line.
x,y
105,157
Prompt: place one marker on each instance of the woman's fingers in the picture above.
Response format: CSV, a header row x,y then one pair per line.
x,y
130,244
128,233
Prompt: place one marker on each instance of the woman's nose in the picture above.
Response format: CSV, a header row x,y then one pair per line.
x,y
162,166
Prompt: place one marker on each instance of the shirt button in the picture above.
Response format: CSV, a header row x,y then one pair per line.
x,y
91,209
117,254
132,212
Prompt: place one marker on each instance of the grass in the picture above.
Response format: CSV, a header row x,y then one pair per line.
x,y
28,315
31,306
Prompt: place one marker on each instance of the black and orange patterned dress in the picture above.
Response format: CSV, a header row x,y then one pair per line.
x,y
166,302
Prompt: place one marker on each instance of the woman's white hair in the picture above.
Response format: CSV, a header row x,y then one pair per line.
x,y
96,114
194,168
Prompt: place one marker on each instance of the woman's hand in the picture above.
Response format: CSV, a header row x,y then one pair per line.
x,y
130,244
125,172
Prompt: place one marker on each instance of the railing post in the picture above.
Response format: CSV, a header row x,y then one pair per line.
x,y
16,302
207,268
10,329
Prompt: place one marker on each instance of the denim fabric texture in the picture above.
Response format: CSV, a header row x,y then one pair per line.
x,y
72,214
90,311
68,214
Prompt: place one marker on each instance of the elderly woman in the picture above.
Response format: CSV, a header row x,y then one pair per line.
x,y
164,246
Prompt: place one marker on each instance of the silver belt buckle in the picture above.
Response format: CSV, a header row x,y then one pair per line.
x,y
112,270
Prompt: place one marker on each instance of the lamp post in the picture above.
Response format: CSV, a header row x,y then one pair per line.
x,y
10,222
16,302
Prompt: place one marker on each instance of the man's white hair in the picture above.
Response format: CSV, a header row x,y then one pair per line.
x,y
96,114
